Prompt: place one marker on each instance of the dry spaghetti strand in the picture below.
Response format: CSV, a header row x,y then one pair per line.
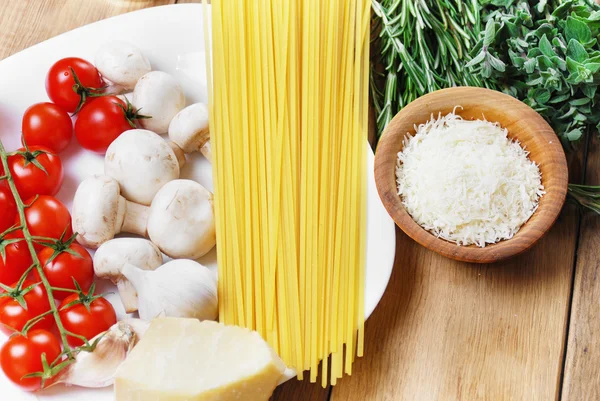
x,y
289,107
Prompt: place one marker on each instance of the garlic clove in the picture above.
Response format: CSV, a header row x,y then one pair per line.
x,y
138,326
98,368
180,288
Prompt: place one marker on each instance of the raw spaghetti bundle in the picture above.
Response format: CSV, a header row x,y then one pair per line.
x,y
289,111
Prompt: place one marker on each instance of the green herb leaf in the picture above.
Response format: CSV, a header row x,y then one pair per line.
x,y
580,102
562,11
490,33
530,65
560,98
546,47
496,63
576,51
541,95
517,60
592,67
560,63
544,63
573,66
574,135
478,59
589,90
595,16
578,30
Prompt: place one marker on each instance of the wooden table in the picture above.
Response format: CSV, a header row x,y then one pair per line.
x,y
527,329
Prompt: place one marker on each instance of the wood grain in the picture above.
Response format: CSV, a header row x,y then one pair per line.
x,y
582,365
451,331
27,22
295,390
523,124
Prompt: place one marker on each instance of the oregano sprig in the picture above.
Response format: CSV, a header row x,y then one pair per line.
x,y
547,54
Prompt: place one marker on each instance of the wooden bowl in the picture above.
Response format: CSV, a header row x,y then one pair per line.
x,y
522,122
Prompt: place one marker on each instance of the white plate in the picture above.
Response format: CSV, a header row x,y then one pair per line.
x,y
172,38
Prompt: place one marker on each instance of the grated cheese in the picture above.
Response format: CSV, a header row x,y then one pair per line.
x,y
466,181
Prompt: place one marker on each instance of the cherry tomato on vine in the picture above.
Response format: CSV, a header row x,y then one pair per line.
x,y
17,258
48,125
47,217
78,320
73,262
27,168
8,208
12,314
22,355
102,120
68,91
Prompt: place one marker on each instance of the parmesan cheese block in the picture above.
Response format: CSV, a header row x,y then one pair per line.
x,y
188,360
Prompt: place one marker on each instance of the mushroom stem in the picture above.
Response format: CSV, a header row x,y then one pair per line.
x,y
128,295
136,219
179,153
205,150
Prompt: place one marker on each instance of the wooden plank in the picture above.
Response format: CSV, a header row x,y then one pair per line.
x,y
582,364
450,331
295,390
27,22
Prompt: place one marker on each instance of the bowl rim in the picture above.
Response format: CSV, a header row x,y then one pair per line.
x,y
554,198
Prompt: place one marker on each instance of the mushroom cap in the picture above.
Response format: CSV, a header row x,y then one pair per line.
x,y
158,95
98,210
142,162
189,128
122,63
114,254
182,220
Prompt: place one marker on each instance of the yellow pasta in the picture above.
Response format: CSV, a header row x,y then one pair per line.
x,y
288,83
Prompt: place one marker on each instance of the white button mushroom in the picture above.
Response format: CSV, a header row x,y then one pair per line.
x,y
182,220
122,63
189,129
100,212
142,162
158,94
114,254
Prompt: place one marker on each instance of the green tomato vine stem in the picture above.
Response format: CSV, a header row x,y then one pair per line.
x,y
36,262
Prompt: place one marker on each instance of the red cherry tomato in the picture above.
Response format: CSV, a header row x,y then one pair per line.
x,y
22,355
61,271
60,83
30,179
78,320
14,317
101,121
47,125
8,208
17,260
47,217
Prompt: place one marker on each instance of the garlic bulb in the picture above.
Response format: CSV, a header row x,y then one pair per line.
x,y
98,368
180,288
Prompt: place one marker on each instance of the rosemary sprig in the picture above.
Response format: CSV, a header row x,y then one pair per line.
x,y
422,45
586,196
